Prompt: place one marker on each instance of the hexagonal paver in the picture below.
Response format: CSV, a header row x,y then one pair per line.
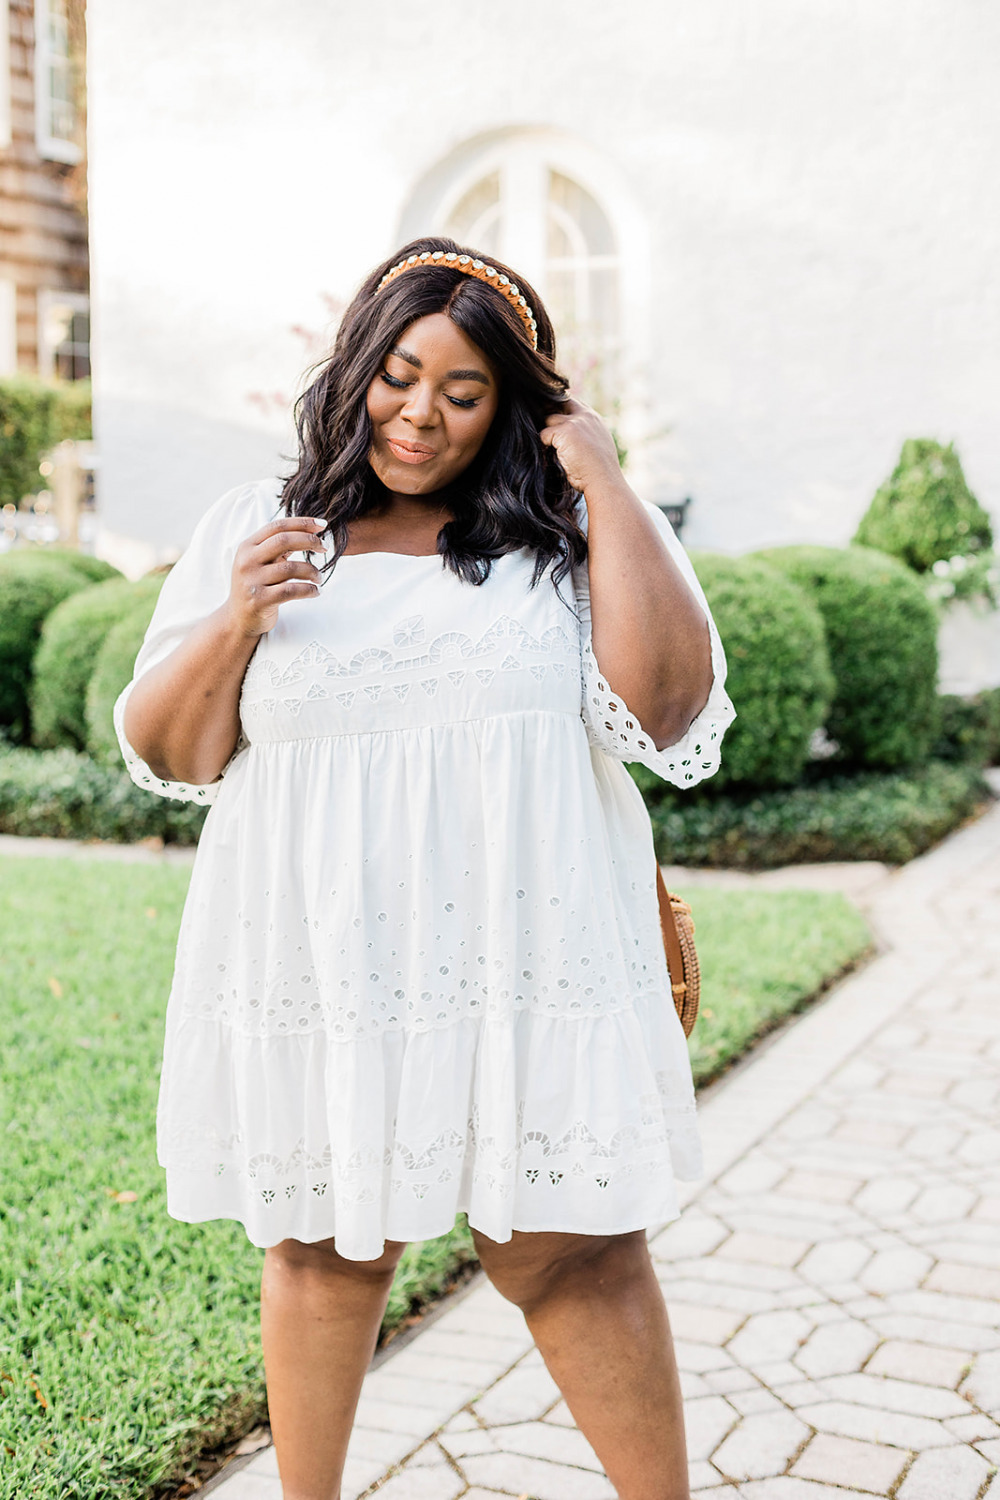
x,y
955,1473
943,1204
826,1187
768,1249
895,1270
707,1421
834,1261
846,1461
983,1385
836,1349
767,1337
921,1362
761,1446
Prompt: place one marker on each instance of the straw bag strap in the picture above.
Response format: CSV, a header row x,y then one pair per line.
x,y
671,939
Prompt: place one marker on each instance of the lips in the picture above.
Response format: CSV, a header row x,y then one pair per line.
x,y
410,453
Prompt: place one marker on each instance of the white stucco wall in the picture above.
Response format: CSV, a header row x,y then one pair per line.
x,y
818,184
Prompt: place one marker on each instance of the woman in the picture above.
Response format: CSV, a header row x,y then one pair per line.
x,y
420,968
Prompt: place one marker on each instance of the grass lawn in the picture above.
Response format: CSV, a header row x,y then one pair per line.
x,y
129,1342
763,954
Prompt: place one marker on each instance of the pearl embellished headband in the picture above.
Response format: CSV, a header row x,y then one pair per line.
x,y
469,267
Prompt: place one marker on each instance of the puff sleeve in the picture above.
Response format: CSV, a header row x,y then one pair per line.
x,y
196,585
610,725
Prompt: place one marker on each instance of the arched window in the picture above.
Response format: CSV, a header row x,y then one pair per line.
x,y
562,214
553,229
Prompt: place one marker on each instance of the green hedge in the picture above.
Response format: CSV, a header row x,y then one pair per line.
x,y
113,671
970,728
63,794
925,511
779,672
881,632
34,416
890,817
30,588
72,637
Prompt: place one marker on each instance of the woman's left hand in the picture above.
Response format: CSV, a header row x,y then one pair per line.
x,y
583,445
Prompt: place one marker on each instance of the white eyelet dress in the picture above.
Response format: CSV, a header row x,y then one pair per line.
x,y
420,968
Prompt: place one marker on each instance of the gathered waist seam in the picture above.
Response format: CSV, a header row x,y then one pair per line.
x,y
357,734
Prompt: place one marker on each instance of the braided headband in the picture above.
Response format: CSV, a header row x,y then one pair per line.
x,y
469,267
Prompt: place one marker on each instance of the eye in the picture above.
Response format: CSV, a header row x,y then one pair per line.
x,y
458,401
397,385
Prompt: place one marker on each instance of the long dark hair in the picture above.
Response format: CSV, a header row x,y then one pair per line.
x,y
514,494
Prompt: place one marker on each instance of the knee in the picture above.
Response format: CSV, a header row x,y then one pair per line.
x,y
300,1259
530,1268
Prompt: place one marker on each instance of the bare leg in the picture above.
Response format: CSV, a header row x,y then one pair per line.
x,y
319,1317
596,1312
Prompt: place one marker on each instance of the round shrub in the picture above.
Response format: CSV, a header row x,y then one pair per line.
x,y
30,588
881,631
72,636
925,511
113,670
779,672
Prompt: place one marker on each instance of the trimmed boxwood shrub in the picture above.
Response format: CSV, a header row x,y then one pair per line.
x,y
72,636
113,671
970,728
886,816
925,510
881,631
30,588
779,672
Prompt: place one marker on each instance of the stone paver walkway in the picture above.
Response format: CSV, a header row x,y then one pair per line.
x,y
834,1283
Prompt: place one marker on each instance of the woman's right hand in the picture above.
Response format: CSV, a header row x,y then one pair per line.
x,y
265,577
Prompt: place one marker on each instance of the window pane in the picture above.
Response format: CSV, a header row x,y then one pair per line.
x,y
475,219
66,330
582,291
61,110
580,208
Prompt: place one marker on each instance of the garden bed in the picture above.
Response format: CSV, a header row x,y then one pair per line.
x,y
130,1342
886,816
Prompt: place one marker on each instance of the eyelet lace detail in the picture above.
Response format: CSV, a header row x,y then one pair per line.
x,y
565,956
449,667
178,791
611,725
527,1161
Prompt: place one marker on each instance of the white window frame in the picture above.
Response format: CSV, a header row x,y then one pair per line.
x,y
5,136
53,148
78,301
524,156
8,326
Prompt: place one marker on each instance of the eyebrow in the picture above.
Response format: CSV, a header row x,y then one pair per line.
x,y
411,359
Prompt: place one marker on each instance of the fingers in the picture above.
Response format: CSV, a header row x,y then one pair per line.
x,y
290,534
283,570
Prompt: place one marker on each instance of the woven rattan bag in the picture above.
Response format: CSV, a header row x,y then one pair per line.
x,y
677,926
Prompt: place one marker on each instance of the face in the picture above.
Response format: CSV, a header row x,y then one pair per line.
x,y
431,406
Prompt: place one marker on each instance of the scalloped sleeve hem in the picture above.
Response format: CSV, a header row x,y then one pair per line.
x,y
180,791
196,585
610,724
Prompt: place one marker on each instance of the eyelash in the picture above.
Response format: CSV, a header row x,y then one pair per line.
x,y
400,385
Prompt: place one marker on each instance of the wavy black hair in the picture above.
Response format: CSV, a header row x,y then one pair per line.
x,y
513,494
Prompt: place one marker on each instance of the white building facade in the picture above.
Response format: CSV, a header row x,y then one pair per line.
x,y
768,234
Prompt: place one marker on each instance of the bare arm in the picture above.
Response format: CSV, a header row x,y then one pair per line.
x,y
182,716
650,635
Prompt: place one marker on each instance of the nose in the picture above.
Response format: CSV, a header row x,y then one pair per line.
x,y
419,408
